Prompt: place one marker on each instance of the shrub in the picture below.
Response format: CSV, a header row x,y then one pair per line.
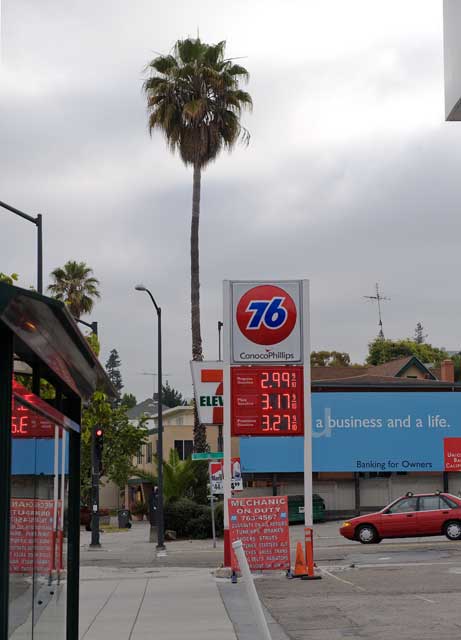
x,y
178,514
192,520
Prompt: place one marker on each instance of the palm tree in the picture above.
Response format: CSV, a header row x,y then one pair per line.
x,y
74,285
194,99
179,477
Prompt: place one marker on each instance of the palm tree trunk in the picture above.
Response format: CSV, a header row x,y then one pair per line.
x,y
200,443
197,353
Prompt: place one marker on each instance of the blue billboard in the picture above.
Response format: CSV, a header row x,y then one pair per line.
x,y
375,432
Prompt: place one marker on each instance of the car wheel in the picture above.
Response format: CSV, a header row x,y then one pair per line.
x,y
453,530
367,534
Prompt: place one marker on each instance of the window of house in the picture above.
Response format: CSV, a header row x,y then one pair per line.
x,y
140,456
180,420
184,448
149,452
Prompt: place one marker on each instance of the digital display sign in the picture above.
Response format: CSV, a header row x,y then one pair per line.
x,y
26,423
267,401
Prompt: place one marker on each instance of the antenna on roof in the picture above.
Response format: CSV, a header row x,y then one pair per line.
x,y
378,298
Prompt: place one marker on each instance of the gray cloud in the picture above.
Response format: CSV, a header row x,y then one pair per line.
x,y
351,176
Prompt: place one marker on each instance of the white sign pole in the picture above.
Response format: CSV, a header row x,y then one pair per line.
x,y
227,473
307,407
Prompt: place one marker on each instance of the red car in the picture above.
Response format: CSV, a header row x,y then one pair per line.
x,y
426,514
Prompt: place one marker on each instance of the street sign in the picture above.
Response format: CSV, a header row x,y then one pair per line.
x,y
267,401
266,322
207,378
261,523
217,476
208,455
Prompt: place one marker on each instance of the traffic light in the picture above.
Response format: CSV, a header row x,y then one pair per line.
x,y
99,444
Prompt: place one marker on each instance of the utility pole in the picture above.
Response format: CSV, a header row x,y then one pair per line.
x,y
378,298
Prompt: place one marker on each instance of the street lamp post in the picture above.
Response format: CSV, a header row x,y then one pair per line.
x,y
39,224
160,524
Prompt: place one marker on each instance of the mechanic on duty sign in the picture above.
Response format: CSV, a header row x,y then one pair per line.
x,y
266,322
261,523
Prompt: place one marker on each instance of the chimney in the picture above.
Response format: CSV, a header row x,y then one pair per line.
x,y
447,371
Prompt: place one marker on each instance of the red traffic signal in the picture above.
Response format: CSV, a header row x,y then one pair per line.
x,y
99,433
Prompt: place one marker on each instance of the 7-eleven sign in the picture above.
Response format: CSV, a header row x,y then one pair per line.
x,y
208,391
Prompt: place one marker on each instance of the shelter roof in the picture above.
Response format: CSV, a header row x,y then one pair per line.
x,y
46,332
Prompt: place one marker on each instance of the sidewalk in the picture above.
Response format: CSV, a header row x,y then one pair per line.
x,y
140,604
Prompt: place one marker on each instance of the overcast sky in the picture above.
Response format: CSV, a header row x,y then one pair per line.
x,y
352,176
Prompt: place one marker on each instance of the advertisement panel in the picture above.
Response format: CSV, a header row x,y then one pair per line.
x,y
266,322
31,544
366,432
207,378
261,523
217,476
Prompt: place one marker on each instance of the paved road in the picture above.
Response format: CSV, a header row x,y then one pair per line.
x,y
404,589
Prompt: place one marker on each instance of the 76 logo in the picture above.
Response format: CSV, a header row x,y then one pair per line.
x,y
270,313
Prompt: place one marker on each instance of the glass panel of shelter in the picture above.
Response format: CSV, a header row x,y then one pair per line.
x,y
39,490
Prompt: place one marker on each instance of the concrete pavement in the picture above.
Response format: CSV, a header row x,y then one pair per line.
x,y
140,604
406,588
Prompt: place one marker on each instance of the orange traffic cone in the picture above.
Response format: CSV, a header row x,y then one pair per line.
x,y
300,563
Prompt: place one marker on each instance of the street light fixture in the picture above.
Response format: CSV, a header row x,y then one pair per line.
x,y
160,523
38,223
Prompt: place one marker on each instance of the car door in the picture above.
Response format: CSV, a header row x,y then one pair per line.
x,y
433,511
399,520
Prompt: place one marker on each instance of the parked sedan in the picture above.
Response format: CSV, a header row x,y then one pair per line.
x,y
428,514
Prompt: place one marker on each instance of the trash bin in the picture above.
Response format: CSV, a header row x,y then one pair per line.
x,y
296,509
124,517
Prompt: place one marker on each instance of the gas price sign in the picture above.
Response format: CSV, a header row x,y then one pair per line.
x,y
267,401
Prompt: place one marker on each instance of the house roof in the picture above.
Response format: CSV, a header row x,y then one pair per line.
x,y
397,367
147,407
370,381
334,373
393,369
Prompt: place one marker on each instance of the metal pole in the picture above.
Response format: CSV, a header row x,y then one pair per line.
x,y
213,527
160,525
227,426
220,326
6,367
95,542
307,409
73,527
39,223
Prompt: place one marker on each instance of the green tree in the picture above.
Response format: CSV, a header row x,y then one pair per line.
x,y
122,441
420,336
171,397
94,343
181,478
194,98
113,365
9,279
74,284
330,359
129,401
381,351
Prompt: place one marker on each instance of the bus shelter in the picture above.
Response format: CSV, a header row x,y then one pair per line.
x,y
47,370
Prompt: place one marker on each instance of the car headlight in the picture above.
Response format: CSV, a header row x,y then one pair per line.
x,y
347,524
